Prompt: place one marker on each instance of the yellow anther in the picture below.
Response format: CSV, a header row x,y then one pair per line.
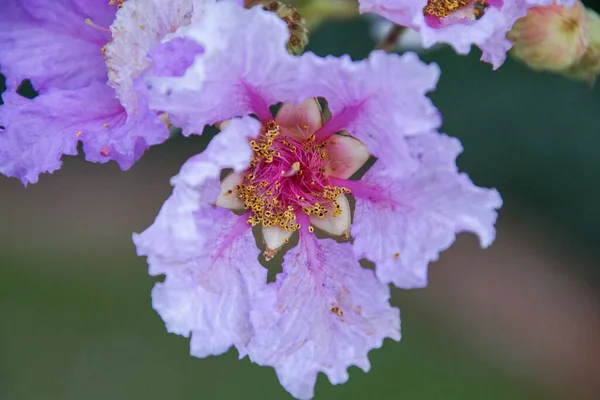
x,y
441,8
294,169
336,310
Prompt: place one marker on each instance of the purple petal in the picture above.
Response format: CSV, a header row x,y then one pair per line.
x,y
245,68
375,101
323,314
208,254
174,57
27,148
38,132
50,43
207,295
429,208
138,27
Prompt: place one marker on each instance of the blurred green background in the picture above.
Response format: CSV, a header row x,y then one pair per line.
x,y
520,320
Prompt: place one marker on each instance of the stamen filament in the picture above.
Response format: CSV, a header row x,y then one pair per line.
x,y
93,25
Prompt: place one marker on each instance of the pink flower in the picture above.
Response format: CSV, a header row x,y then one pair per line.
x,y
459,23
290,174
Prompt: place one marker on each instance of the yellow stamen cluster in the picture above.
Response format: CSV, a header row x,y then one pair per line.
x,y
441,8
330,193
263,149
263,198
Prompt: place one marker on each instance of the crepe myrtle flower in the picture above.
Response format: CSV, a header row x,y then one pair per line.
x,y
69,50
459,23
284,170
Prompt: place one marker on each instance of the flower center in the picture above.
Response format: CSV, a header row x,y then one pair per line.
x,y
442,8
287,174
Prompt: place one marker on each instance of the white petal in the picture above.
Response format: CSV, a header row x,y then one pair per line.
x,y
337,226
346,155
274,237
229,194
302,120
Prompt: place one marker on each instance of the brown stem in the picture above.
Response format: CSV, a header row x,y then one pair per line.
x,y
388,44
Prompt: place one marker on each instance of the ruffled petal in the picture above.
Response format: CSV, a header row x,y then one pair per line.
x,y
139,25
208,254
219,86
405,223
38,132
50,43
207,296
374,101
323,314
28,147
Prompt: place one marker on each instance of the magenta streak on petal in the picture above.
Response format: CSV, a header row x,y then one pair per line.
x,y
236,231
339,121
365,191
304,222
307,239
495,3
433,22
258,104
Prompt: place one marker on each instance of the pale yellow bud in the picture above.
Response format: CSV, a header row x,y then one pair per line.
x,y
551,37
588,67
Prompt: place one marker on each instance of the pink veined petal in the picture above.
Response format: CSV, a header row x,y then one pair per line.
x,y
50,43
207,296
431,206
374,101
219,86
208,254
197,186
38,132
323,314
